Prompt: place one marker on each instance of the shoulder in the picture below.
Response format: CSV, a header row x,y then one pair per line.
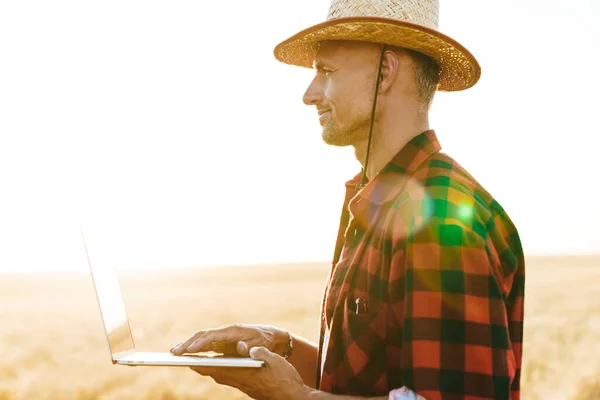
x,y
443,202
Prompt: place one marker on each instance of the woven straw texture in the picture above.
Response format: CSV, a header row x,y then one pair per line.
x,y
420,12
409,24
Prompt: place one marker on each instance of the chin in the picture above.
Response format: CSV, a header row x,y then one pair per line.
x,y
336,139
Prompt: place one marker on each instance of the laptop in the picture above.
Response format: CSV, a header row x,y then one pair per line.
x,y
118,331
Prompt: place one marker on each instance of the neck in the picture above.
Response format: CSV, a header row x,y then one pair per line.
x,y
390,135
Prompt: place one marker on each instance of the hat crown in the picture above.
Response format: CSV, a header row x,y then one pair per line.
x,y
421,12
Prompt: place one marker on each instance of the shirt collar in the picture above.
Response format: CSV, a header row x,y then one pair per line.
x,y
393,177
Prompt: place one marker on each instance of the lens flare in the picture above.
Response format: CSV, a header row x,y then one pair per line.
x,y
465,211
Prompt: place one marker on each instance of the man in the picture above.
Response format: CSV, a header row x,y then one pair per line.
x,y
426,293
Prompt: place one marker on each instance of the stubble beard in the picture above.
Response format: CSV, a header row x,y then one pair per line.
x,y
350,134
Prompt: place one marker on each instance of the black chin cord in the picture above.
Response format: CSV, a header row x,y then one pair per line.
x,y
364,171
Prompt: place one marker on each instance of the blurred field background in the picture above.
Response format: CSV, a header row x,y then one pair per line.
x,y
52,343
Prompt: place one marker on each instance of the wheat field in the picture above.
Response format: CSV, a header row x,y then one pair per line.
x,y
52,343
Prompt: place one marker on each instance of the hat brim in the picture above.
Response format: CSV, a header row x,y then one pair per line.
x,y
459,70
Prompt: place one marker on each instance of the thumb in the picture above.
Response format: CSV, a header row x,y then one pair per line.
x,y
263,354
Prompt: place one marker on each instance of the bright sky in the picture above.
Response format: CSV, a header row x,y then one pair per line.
x,y
169,128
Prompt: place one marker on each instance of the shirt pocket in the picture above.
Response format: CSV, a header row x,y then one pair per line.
x,y
363,337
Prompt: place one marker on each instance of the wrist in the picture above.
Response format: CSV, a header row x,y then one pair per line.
x,y
282,339
289,345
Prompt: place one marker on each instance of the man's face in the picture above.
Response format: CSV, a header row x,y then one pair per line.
x,y
343,90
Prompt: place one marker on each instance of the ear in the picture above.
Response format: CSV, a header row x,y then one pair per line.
x,y
389,70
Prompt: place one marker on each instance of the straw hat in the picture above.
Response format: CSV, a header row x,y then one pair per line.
x,y
411,24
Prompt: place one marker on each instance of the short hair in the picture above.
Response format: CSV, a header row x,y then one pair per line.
x,y
426,73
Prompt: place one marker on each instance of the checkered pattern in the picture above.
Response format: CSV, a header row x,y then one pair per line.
x,y
442,269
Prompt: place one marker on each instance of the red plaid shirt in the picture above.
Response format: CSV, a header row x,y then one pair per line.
x,y
438,270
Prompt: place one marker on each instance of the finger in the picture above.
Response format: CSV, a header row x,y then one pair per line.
x,y
227,376
244,346
177,345
204,343
228,348
206,371
181,346
243,349
263,354
210,372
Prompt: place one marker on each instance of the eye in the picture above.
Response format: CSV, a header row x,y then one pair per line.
x,y
324,71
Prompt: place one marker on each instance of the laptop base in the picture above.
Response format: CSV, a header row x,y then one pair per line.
x,y
168,360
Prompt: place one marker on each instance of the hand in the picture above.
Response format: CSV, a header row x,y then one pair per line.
x,y
275,381
244,337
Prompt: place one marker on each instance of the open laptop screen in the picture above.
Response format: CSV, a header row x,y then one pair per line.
x,y
109,296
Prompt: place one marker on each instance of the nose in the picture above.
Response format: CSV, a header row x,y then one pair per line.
x,y
314,93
